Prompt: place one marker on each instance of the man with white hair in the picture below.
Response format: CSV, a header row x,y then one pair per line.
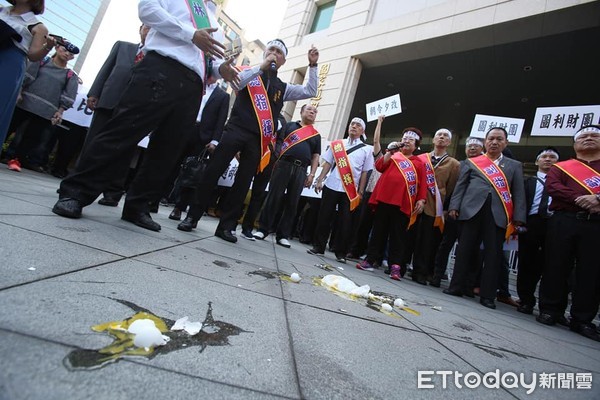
x,y
573,232
251,131
441,174
532,243
349,160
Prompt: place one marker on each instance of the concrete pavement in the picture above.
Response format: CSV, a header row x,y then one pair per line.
x,y
263,337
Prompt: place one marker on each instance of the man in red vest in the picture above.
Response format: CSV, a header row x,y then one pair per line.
x,y
573,232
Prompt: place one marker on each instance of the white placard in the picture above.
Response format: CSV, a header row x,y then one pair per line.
x,y
310,191
228,177
483,123
79,114
388,106
563,121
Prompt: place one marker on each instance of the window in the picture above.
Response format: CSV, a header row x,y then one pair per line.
x,y
323,17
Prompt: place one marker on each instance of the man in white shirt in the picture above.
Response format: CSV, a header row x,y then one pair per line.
x,y
360,157
162,97
532,243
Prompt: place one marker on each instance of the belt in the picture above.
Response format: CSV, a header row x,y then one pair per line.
x,y
582,215
295,161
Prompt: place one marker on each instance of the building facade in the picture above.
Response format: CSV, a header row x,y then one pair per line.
x,y
447,59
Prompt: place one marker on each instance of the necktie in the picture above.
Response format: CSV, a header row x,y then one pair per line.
x,y
139,56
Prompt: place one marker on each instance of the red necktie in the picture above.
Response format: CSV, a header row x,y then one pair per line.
x,y
139,56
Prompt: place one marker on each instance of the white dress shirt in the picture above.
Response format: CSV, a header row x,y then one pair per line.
x,y
537,198
172,30
361,160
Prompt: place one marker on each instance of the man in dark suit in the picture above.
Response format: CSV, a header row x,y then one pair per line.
x,y
488,199
206,133
103,97
532,242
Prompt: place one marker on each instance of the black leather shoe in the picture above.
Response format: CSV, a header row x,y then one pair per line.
x,y
143,220
187,224
419,279
456,293
108,201
226,235
435,281
586,329
316,252
546,319
175,214
489,303
525,308
67,207
562,320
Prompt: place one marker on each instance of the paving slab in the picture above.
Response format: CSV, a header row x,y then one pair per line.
x,y
263,337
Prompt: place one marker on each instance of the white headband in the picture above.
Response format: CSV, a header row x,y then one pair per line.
x,y
474,141
360,122
412,135
587,129
444,130
279,44
547,152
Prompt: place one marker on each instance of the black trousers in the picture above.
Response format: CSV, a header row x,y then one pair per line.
x,y
162,97
286,177
532,245
481,226
570,239
235,139
33,138
427,242
258,196
388,222
360,240
445,247
329,201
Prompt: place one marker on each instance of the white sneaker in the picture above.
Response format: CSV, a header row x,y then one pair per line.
x,y
259,235
284,242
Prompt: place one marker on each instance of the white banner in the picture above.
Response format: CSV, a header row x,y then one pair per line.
x,y
483,123
79,114
563,121
388,106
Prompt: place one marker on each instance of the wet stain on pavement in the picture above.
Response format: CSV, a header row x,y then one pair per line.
x,y
213,333
462,326
264,274
221,264
489,351
75,229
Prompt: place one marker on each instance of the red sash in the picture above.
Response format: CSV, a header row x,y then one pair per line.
x,y
345,171
299,135
262,109
432,187
498,180
582,174
408,171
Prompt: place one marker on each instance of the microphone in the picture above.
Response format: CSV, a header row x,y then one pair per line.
x,y
273,66
70,47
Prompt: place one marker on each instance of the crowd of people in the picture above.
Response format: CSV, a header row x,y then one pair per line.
x,y
387,208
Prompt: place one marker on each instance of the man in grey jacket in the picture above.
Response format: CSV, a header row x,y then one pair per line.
x,y
488,201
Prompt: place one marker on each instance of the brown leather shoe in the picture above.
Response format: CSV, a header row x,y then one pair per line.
x,y
507,300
